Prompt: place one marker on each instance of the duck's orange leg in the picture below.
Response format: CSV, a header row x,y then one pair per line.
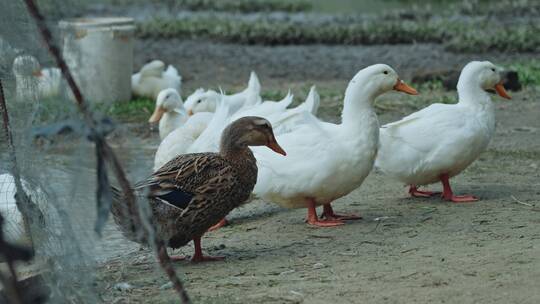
x,y
198,256
220,224
413,191
314,220
328,213
449,195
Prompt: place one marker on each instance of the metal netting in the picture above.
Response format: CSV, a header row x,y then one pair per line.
x,y
58,166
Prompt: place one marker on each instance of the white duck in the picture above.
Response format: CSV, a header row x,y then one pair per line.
x,y
34,82
206,101
326,161
281,122
169,112
287,121
264,109
14,229
181,139
153,78
198,134
202,131
281,118
441,140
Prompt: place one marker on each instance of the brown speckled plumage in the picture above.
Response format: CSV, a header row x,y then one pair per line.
x,y
192,192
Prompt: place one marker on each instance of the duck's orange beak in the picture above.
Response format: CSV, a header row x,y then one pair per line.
x,y
37,73
272,144
190,112
499,88
156,116
405,88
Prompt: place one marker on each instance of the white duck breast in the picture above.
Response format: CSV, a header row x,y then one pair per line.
x,y
326,161
441,140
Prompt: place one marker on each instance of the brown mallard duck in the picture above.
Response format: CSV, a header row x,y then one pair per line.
x,y
192,192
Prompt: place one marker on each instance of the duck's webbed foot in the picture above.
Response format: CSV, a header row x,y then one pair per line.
x,y
329,214
313,219
449,195
220,224
199,257
414,192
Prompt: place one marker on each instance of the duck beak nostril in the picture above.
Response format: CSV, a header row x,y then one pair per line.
x,y
405,88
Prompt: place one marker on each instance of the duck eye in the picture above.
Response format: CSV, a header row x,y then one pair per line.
x,y
199,101
385,72
493,69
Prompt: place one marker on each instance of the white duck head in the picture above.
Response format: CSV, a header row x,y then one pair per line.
x,y
480,76
202,101
167,101
366,85
26,66
375,80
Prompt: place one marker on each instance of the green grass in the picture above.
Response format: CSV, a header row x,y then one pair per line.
x,y
529,72
271,32
471,36
244,6
514,38
429,85
136,110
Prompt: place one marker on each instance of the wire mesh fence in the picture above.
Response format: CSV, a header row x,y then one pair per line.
x,y
55,163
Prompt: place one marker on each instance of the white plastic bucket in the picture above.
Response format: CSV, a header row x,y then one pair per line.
x,y
99,52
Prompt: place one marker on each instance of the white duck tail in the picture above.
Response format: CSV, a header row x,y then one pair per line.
x,y
311,105
286,122
265,109
253,91
173,77
254,84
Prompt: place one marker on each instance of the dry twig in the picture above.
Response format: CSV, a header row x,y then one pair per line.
x,y
520,202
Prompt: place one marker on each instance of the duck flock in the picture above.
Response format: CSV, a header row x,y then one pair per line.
x,y
220,151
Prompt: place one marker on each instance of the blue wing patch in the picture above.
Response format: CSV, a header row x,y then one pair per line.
x,y
177,198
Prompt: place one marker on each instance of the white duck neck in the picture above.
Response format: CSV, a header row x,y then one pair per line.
x,y
170,121
470,92
358,102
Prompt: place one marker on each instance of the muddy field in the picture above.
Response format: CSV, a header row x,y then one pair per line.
x,y
404,250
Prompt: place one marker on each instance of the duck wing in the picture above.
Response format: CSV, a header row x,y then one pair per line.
x,y
420,129
186,176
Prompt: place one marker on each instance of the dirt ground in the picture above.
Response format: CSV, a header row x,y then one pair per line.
x,y
404,250
211,64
